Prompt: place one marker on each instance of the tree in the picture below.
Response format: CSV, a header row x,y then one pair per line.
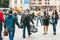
x,y
4,3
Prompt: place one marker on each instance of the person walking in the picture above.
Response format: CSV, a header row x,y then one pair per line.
x,y
38,18
55,18
25,19
41,15
1,23
9,24
46,18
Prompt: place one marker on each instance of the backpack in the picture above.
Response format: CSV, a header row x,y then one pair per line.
x,y
25,19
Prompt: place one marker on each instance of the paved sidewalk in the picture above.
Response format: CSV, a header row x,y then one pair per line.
x,y
39,35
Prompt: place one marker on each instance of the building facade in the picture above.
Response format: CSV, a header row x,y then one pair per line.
x,y
44,4
24,4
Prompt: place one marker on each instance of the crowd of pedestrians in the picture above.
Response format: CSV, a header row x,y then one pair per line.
x,y
11,19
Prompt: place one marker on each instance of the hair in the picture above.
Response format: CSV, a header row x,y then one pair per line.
x,y
56,14
39,9
10,12
45,13
28,10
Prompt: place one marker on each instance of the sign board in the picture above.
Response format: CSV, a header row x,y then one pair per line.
x,y
25,1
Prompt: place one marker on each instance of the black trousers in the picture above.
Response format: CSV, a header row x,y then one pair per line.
x,y
24,29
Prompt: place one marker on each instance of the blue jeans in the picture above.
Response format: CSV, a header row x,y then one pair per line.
x,y
41,22
38,19
11,34
24,30
54,27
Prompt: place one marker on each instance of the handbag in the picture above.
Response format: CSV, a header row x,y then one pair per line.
x,y
5,33
21,26
33,29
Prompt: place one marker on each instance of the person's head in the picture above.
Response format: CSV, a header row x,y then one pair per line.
x,y
39,9
10,13
55,13
15,13
27,11
46,13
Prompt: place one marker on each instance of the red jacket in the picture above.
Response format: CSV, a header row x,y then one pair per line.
x,y
1,16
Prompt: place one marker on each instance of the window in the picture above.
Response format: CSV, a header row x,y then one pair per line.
x,y
40,3
32,3
48,3
48,0
34,0
45,0
40,0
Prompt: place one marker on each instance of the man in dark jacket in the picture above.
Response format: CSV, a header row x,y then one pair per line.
x,y
25,19
1,21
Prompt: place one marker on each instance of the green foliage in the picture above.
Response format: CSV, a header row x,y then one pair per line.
x,y
4,3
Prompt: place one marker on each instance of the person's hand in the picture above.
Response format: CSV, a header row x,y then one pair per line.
x,y
19,26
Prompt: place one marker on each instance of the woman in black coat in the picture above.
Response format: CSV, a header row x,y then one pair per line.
x,y
55,18
46,18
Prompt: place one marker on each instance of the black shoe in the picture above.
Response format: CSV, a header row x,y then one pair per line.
x,y
30,34
44,33
54,33
23,37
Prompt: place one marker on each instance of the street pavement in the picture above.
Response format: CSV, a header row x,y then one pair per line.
x,y
36,36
